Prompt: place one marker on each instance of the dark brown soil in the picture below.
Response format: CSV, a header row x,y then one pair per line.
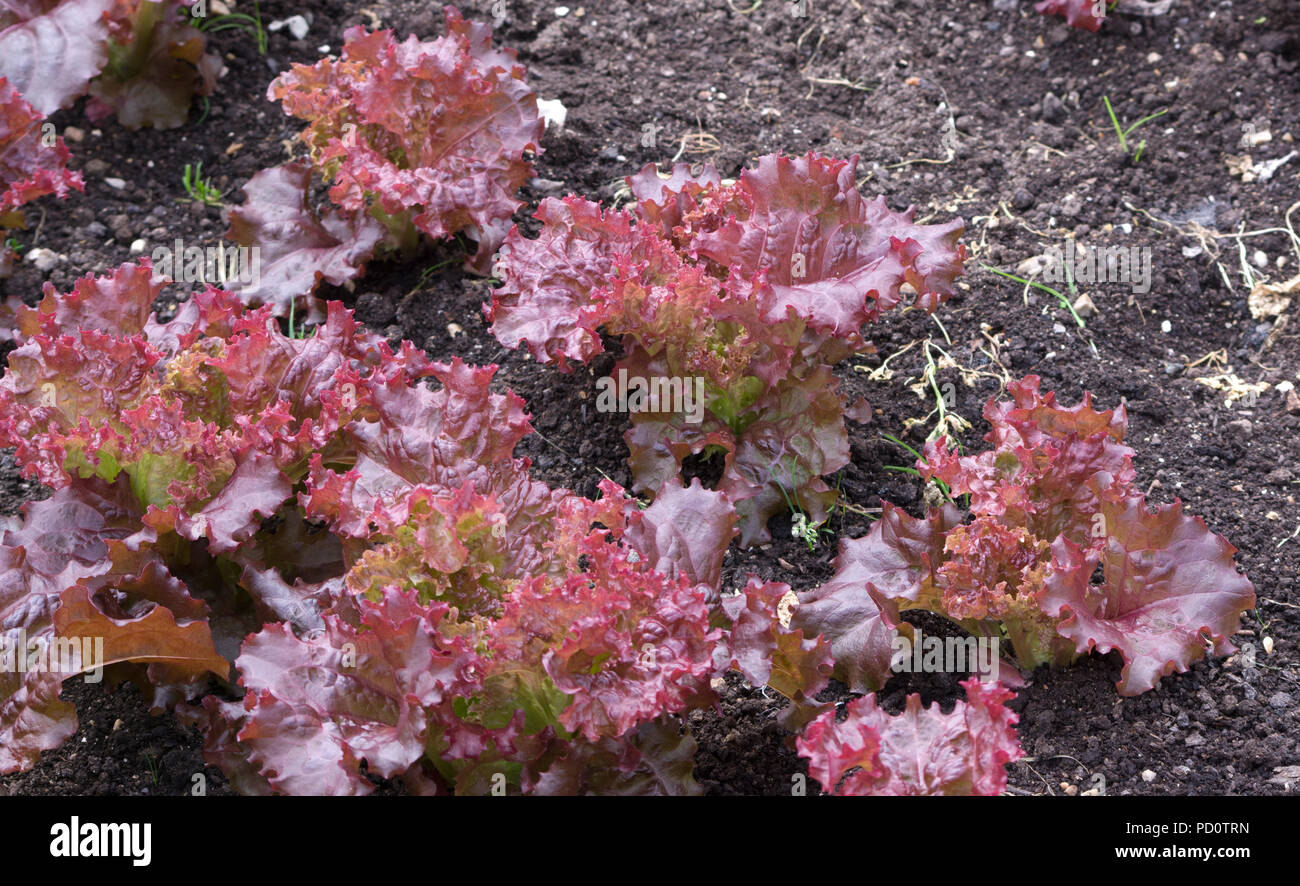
x,y
879,78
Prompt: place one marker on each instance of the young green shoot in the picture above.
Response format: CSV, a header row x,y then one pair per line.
x,y
236,21
152,764
943,487
1123,134
201,190
1060,296
301,331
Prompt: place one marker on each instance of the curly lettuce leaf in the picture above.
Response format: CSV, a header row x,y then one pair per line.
x,y
919,752
51,49
1170,594
298,247
548,281
769,653
1036,475
751,289
318,706
829,255
62,539
29,168
685,532
658,759
893,567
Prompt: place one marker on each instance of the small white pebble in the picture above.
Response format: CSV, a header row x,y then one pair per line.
x,y
115,183
1259,259
1268,645
1166,327
561,11
553,112
323,49
1148,776
74,134
454,329
44,259
137,247
296,24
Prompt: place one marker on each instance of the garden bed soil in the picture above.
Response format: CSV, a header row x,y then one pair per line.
x,y
1035,158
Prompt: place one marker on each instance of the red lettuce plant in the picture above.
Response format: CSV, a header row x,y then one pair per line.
x,y
414,137
920,752
139,59
32,164
1049,503
755,288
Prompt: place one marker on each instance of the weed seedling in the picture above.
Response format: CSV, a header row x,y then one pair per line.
x,y
1060,297
201,190
1123,134
239,21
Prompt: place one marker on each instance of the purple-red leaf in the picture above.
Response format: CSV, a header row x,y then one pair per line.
x,y
350,694
29,168
1170,592
745,293
920,752
685,532
767,652
1085,14
298,247
892,567
50,49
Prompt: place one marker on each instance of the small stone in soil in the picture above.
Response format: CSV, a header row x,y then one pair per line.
x,y
1053,111
43,259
